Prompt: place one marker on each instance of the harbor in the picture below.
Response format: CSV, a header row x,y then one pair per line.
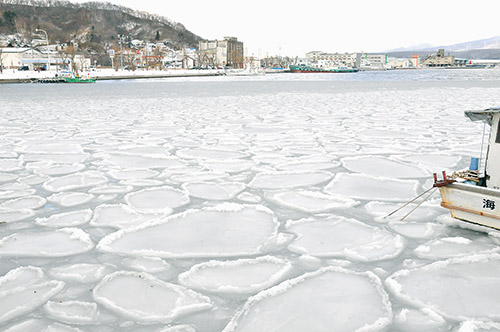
x,y
307,170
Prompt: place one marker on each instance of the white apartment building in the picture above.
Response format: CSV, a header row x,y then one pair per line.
x,y
335,59
373,61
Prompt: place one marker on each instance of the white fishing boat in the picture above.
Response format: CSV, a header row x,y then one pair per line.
x,y
473,195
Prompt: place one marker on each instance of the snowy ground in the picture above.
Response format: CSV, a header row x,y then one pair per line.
x,y
242,204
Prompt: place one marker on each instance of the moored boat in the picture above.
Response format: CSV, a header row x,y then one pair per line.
x,y
70,77
310,69
473,195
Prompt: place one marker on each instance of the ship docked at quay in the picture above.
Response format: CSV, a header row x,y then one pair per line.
x,y
310,69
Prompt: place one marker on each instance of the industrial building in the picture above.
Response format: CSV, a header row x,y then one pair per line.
x,y
439,60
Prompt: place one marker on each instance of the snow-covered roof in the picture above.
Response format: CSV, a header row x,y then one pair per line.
x,y
15,49
483,115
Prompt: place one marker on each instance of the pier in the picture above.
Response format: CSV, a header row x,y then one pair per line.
x,y
104,74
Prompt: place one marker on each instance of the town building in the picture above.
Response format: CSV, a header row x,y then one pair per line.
x,y
221,53
16,57
373,61
439,60
323,59
41,59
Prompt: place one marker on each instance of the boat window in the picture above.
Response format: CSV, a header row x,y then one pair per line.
x,y
497,140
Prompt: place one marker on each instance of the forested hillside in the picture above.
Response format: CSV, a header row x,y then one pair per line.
x,y
93,26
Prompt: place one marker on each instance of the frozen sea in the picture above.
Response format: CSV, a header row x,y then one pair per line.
x,y
242,204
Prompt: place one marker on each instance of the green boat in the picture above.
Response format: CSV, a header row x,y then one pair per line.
x,y
70,77
309,69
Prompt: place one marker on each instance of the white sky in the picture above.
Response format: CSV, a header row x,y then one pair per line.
x,y
294,28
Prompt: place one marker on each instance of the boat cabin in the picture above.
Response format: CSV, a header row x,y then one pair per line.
x,y
490,116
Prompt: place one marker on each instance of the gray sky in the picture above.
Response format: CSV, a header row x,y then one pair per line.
x,y
294,28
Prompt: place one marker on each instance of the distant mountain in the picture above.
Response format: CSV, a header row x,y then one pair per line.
x,y
481,44
94,26
411,48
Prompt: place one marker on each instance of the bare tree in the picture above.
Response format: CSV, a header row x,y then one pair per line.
x,y
158,58
130,59
61,53
70,51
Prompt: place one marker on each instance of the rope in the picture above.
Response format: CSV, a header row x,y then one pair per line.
x,y
425,192
426,198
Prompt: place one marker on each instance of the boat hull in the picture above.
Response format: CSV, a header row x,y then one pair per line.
x,y
473,204
79,80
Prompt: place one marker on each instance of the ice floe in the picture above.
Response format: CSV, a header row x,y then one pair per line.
x,y
479,326
448,247
361,186
229,166
24,289
411,320
284,180
214,190
418,230
133,161
57,243
204,153
56,147
7,177
66,219
157,200
66,158
132,174
11,215
345,238
57,327
434,161
240,277
145,298
384,167
82,272
311,201
462,288
344,301
308,166
69,199
15,193
227,230
10,165
147,264
117,216
55,169
249,198
27,202
75,181
202,176
110,188
423,213
72,312
179,328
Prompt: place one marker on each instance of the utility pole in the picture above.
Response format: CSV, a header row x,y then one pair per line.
x,y
47,41
120,40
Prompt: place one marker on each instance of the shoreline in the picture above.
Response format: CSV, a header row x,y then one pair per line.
x,y
106,74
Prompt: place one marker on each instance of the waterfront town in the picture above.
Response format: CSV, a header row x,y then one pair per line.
x,y
224,54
